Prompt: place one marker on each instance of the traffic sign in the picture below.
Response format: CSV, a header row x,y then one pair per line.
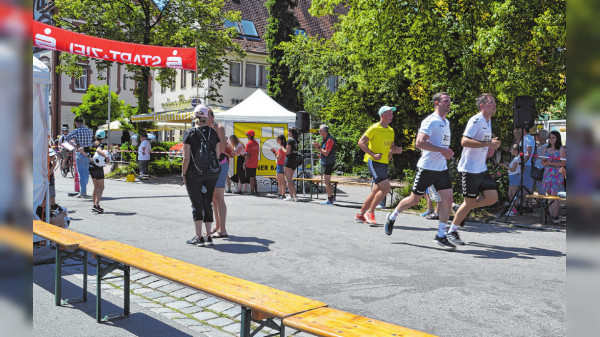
x,y
195,101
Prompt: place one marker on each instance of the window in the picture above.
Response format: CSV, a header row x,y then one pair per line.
x,y
194,79
81,83
245,28
256,75
173,80
124,82
183,79
235,74
332,83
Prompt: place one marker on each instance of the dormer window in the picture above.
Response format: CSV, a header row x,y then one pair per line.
x,y
245,28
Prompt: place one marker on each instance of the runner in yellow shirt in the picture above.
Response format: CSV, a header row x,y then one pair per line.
x,y
377,143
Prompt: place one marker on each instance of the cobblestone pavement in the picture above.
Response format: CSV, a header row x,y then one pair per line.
x,y
191,308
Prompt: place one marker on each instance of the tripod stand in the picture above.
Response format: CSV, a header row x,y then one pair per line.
x,y
519,192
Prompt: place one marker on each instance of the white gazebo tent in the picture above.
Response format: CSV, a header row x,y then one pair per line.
x,y
41,82
258,107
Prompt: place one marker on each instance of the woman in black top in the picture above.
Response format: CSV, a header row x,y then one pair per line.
x,y
200,186
97,171
291,158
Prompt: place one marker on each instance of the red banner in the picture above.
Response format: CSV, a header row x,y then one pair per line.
x,y
50,37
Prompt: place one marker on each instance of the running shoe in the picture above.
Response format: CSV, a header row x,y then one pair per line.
x,y
511,213
360,218
379,207
443,242
296,199
327,202
424,214
455,207
209,242
195,241
371,218
432,216
454,238
97,209
389,224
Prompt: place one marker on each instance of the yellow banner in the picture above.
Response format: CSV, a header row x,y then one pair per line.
x,y
265,135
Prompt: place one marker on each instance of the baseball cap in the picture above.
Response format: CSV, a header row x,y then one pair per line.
x,y
201,111
250,133
386,108
65,128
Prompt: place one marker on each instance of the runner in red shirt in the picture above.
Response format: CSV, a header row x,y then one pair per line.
x,y
252,153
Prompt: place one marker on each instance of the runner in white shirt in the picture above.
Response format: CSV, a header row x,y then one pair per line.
x,y
476,141
433,139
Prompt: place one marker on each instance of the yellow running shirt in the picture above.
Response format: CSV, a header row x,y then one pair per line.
x,y
380,141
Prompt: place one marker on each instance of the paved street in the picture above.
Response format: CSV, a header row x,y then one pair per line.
x,y
506,281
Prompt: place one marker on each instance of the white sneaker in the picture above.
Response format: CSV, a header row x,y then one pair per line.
x,y
289,198
511,213
296,199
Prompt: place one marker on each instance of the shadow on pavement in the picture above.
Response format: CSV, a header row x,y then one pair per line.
x,y
494,252
242,245
148,197
137,323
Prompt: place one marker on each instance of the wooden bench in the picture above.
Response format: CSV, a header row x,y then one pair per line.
x,y
546,202
394,185
331,322
259,303
17,240
313,182
68,245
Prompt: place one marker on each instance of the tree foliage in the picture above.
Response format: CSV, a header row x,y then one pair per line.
x,y
402,52
94,107
281,25
175,23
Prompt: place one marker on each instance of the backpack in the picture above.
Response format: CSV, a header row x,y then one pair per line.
x,y
204,158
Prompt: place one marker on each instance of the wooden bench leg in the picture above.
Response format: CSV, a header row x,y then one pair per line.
x,y
126,276
98,289
85,274
58,276
246,320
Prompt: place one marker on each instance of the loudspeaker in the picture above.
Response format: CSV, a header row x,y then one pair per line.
x,y
303,121
524,112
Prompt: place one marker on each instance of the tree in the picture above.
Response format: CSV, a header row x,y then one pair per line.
x,y
94,107
175,23
402,52
280,27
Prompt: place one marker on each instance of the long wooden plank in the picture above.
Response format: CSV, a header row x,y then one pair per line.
x,y
276,302
61,236
330,322
545,197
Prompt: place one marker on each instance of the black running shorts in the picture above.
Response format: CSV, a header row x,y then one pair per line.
x,y
425,178
475,183
328,169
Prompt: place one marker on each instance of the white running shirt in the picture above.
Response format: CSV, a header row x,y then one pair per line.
x,y
528,140
144,155
472,160
438,130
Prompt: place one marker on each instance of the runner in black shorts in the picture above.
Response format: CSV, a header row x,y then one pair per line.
x,y
433,139
477,142
327,150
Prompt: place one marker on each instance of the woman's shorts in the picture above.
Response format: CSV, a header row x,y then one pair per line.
x,y
279,169
96,172
223,175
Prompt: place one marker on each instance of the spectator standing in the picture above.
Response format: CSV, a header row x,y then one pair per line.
x,y
218,199
200,184
514,176
542,138
252,153
280,169
291,162
84,139
476,142
554,180
433,139
239,150
64,153
377,143
144,155
327,151
97,171
528,148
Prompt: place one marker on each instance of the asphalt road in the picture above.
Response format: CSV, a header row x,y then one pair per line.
x,y
507,281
